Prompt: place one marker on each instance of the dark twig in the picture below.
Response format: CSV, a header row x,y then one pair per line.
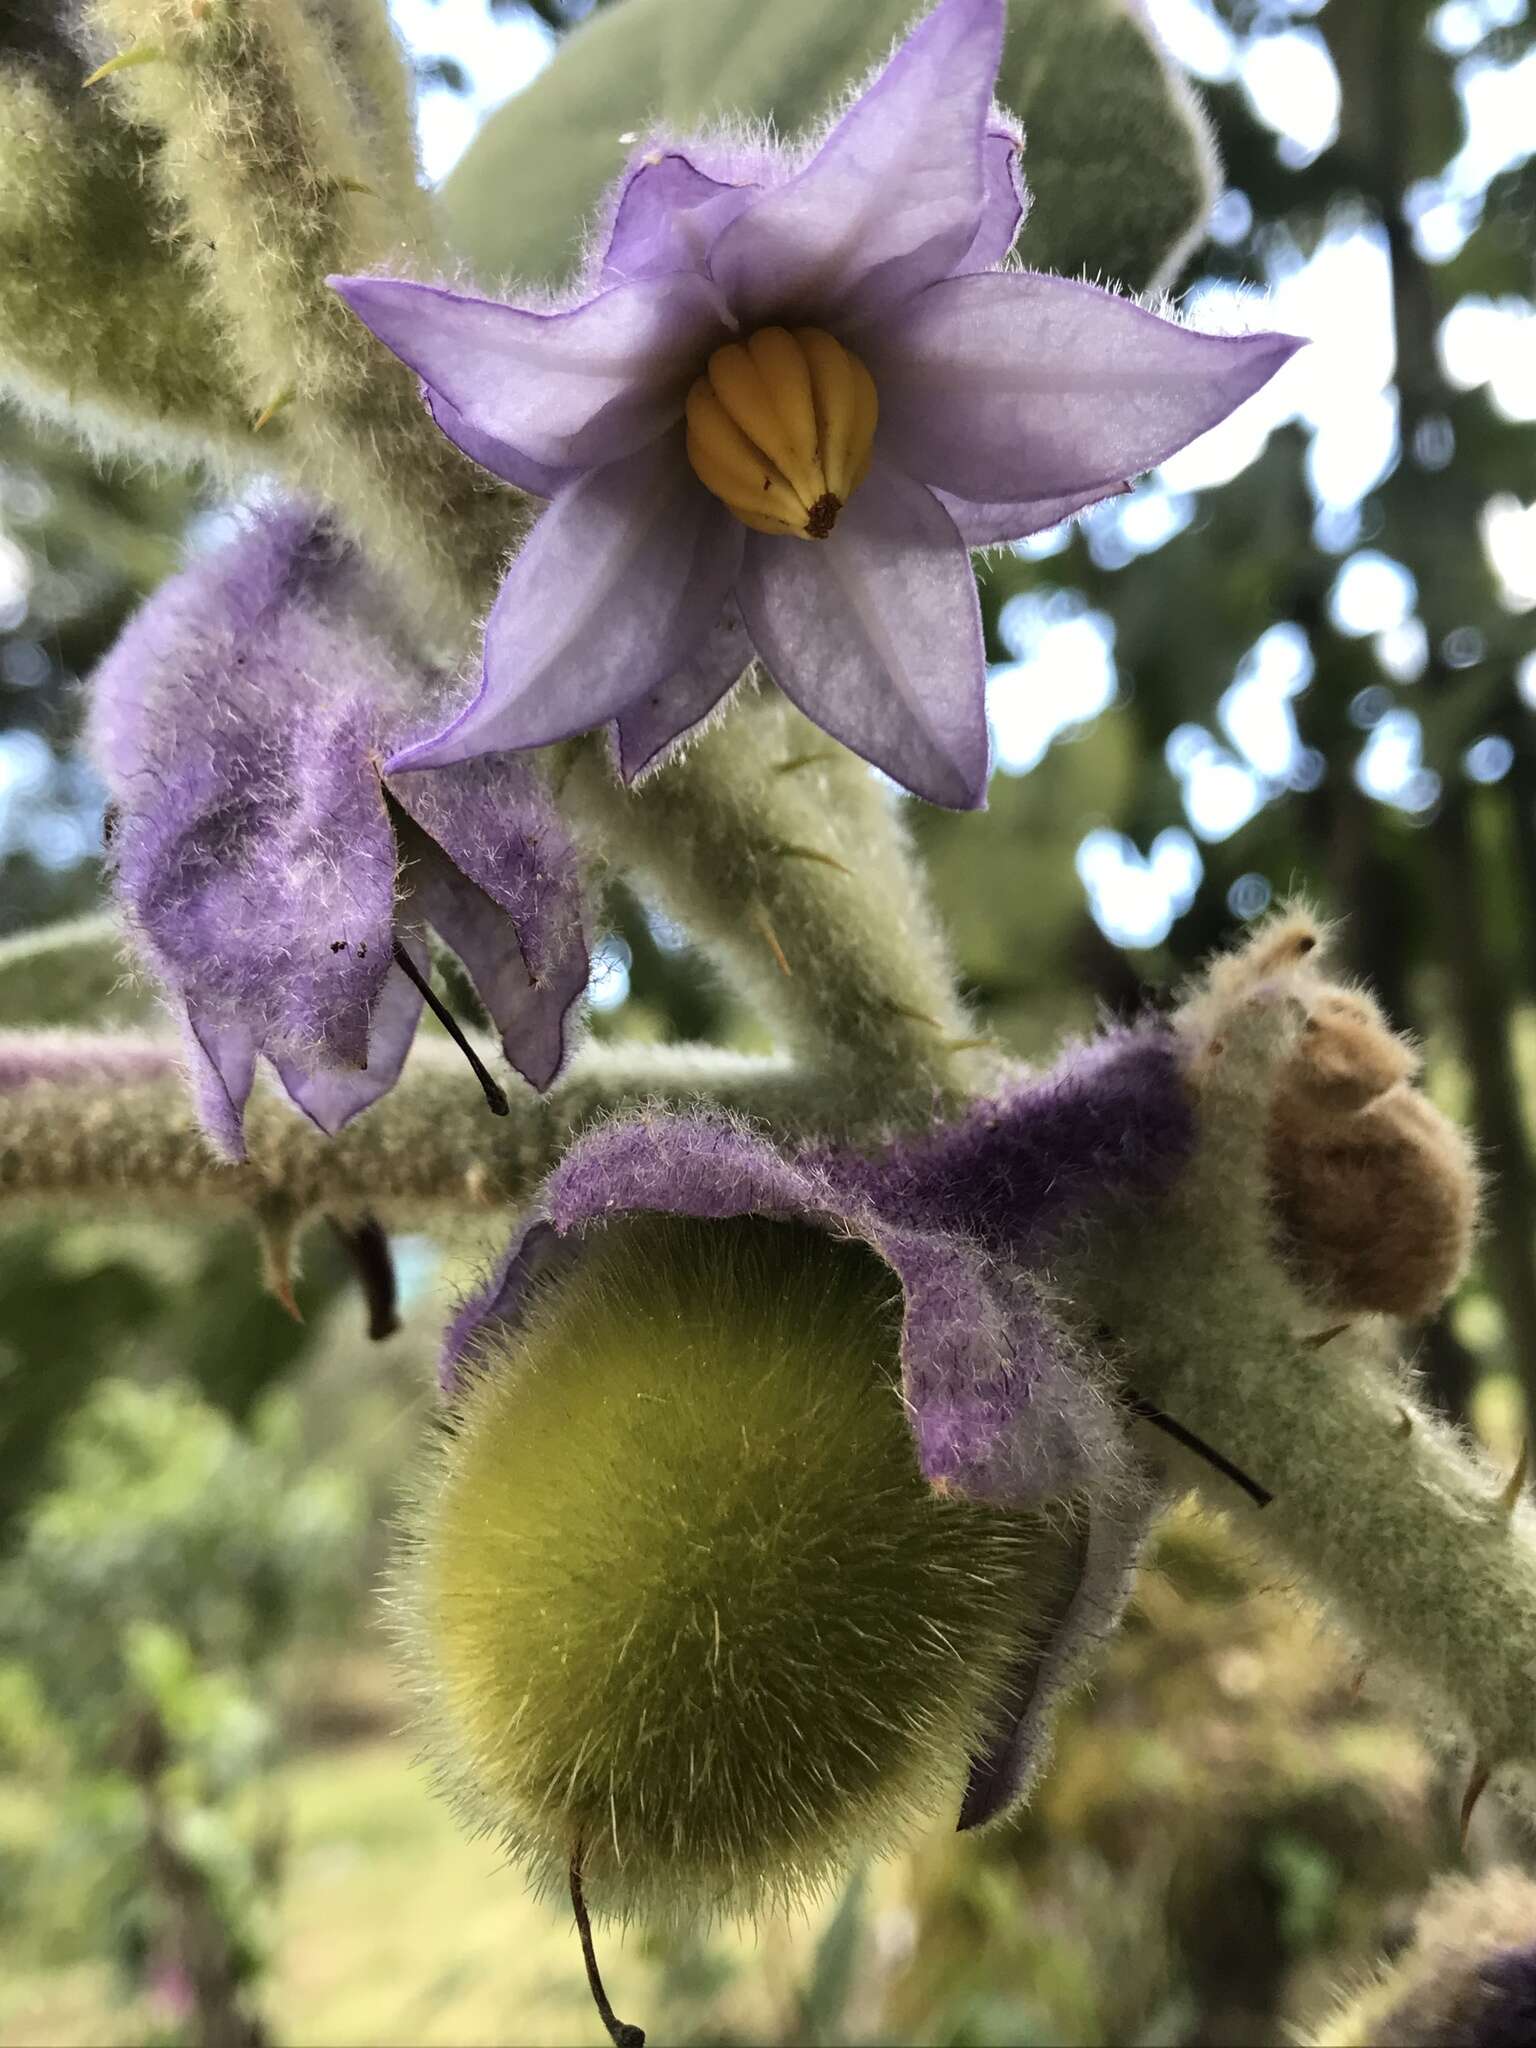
x,y
619,2031
366,1245
495,1100
1148,1412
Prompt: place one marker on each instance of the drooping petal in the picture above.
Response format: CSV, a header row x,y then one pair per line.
x,y
1015,386
982,526
239,723
565,390
330,1096
668,217
875,634
616,586
252,853
320,869
1106,1542
487,862
649,728
894,197
1006,203
221,1064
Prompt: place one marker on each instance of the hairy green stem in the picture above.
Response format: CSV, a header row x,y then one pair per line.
x,y
105,1118
98,321
262,156
1382,1509
361,41
1385,1513
792,867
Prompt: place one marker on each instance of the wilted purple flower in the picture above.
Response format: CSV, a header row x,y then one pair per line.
x,y
792,396
279,884
1000,1407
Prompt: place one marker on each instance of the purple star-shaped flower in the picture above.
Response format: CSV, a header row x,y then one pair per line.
x,y
279,885
1000,1406
794,395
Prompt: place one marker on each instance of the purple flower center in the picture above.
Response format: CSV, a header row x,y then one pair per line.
x,y
781,428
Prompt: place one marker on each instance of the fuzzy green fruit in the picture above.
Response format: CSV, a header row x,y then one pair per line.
x,y
680,1599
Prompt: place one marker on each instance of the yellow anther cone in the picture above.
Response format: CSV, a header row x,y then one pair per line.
x,y
781,428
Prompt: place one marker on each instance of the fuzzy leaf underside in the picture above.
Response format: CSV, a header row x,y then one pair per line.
x,y
1117,154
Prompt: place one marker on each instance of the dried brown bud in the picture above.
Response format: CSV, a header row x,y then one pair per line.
x,y
1375,1191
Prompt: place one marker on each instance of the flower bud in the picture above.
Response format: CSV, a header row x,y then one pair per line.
x,y
683,1607
1374,1192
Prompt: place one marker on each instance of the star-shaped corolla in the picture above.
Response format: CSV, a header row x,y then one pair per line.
x,y
278,884
791,398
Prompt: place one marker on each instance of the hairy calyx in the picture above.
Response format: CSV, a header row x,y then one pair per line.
x,y
781,428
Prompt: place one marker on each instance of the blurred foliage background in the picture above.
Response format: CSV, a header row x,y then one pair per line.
x,y
1299,658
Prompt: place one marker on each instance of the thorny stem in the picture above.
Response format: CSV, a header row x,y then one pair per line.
x,y
108,1117
1400,1529
805,890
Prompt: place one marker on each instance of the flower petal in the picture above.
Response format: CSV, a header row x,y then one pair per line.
x,y
876,634
894,197
669,215
648,729
221,1065
320,870
1013,386
331,1096
982,526
564,390
542,479
489,865
1006,203
616,585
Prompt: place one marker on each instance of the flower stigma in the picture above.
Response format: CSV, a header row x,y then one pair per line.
x,y
781,428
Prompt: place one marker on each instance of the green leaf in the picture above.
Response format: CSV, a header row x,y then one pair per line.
x,y
1118,157
69,973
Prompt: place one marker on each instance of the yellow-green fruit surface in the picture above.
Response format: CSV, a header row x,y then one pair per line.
x,y
679,1595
